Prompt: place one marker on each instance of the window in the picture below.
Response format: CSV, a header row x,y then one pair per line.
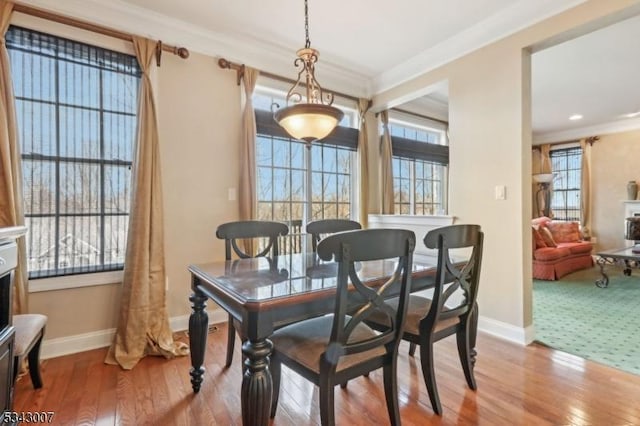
x,y
419,163
296,185
567,167
76,109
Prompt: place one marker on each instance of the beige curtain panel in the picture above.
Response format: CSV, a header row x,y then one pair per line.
x,y
545,158
11,203
585,189
545,167
363,157
247,189
143,325
386,171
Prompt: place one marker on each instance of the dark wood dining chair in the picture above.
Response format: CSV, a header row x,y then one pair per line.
x,y
333,349
232,233
321,228
430,320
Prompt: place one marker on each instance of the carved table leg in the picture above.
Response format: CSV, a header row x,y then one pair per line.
x,y
198,327
257,385
604,281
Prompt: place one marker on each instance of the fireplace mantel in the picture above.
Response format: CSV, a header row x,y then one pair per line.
x,y
631,208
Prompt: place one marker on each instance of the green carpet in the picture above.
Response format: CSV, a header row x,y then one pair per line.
x,y
600,324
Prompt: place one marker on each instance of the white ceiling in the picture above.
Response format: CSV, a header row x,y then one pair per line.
x,y
363,35
596,75
368,46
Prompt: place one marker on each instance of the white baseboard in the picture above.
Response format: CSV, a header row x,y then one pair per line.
x,y
502,330
60,346
67,345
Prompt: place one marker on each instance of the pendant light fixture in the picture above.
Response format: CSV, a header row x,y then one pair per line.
x,y
316,118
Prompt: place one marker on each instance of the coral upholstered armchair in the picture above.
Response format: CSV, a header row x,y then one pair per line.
x,y
558,249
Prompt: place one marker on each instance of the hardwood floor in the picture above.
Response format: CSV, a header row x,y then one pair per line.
x,y
517,385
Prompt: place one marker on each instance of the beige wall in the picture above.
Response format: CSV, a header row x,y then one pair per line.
x,y
492,153
200,131
490,145
613,164
79,310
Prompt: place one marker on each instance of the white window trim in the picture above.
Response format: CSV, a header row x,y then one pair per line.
x,y
75,281
419,224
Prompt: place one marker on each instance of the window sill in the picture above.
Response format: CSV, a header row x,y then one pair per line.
x,y
420,225
75,281
404,219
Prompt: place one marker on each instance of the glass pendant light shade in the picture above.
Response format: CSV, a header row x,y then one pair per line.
x,y
309,122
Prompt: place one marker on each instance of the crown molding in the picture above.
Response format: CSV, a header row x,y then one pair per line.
x,y
249,50
587,131
518,16
277,59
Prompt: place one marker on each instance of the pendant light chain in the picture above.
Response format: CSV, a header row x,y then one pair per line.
x,y
312,117
307,44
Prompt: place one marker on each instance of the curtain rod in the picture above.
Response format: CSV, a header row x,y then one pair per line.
x,y
183,52
415,114
590,140
239,69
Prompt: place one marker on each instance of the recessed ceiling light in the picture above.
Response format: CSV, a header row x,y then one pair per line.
x,y
575,117
632,114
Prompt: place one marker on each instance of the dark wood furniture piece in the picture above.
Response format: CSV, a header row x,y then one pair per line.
x,y
8,262
263,303
624,257
29,334
321,228
430,320
332,349
232,233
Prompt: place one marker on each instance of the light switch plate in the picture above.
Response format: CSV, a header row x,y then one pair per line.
x,y
501,192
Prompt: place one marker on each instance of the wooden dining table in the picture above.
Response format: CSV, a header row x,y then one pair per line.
x,y
264,294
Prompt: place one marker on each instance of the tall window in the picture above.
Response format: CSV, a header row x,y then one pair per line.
x,y
566,166
295,184
76,109
420,161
